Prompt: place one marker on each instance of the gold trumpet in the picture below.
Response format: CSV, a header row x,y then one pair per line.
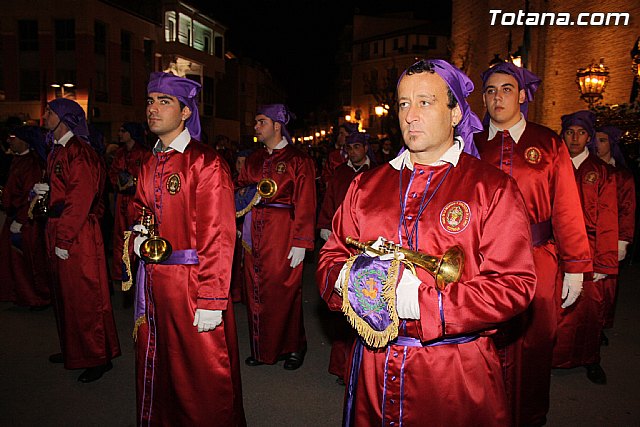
x,y
446,268
155,249
267,188
41,207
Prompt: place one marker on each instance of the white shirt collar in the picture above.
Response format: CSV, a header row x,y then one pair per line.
x,y
612,161
179,143
577,160
65,138
283,143
515,131
452,155
357,168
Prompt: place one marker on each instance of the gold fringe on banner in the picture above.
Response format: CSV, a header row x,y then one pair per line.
x,y
127,262
139,321
373,338
249,206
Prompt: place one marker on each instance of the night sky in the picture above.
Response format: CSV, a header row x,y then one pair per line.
x,y
300,52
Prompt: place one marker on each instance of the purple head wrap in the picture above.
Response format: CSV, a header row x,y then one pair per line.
x,y
461,86
361,138
614,134
350,127
186,90
583,118
72,115
525,78
278,113
33,136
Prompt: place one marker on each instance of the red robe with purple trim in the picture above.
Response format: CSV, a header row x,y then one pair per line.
x,y
129,162
273,288
455,384
86,326
25,273
541,166
186,378
626,195
580,325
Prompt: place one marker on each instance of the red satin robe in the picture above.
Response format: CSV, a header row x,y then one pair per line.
x,y
341,333
86,326
626,195
580,325
186,378
273,288
25,275
124,216
336,157
541,166
455,384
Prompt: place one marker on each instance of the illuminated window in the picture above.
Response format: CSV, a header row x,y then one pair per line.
x,y
170,26
185,25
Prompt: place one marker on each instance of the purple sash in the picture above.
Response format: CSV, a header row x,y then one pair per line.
x,y
184,257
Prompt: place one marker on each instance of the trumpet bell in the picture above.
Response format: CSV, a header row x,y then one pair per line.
x,y
450,268
267,188
155,249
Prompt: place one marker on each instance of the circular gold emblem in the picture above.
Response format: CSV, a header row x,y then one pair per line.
x,y
455,216
57,169
533,155
173,184
281,167
591,177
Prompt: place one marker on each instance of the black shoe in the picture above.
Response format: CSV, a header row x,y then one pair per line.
x,y
294,361
604,340
56,358
251,361
95,373
596,374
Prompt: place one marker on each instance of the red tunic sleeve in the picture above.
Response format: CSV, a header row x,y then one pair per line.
x,y
626,204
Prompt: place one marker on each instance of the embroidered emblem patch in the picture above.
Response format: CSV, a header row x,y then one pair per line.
x,y
57,169
173,184
368,284
533,155
455,216
281,167
591,177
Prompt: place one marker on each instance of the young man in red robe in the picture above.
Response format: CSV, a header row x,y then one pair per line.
x,y
123,174
338,154
80,292
538,160
442,368
357,147
279,230
607,148
187,366
25,275
580,327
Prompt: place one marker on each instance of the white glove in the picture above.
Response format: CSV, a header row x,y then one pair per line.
x,y
61,253
407,303
140,238
207,320
296,255
324,234
141,229
622,249
571,288
15,227
598,276
338,285
41,188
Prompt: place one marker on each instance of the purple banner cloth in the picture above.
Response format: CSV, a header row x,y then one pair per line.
x,y
367,278
183,257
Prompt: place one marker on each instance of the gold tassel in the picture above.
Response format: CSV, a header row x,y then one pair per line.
x,y
139,321
249,206
127,262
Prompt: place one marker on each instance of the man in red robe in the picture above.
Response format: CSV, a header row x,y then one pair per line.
x,y
443,368
25,276
280,228
338,155
538,160
187,366
80,293
123,174
357,147
607,148
580,327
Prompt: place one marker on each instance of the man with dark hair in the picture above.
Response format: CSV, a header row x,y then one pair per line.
x,y
538,160
187,366
429,357
338,153
80,292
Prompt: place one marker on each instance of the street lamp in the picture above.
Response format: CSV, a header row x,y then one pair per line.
x,y
62,86
591,81
381,110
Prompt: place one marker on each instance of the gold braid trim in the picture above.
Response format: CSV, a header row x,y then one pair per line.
x,y
139,321
246,246
371,337
127,262
31,206
249,206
